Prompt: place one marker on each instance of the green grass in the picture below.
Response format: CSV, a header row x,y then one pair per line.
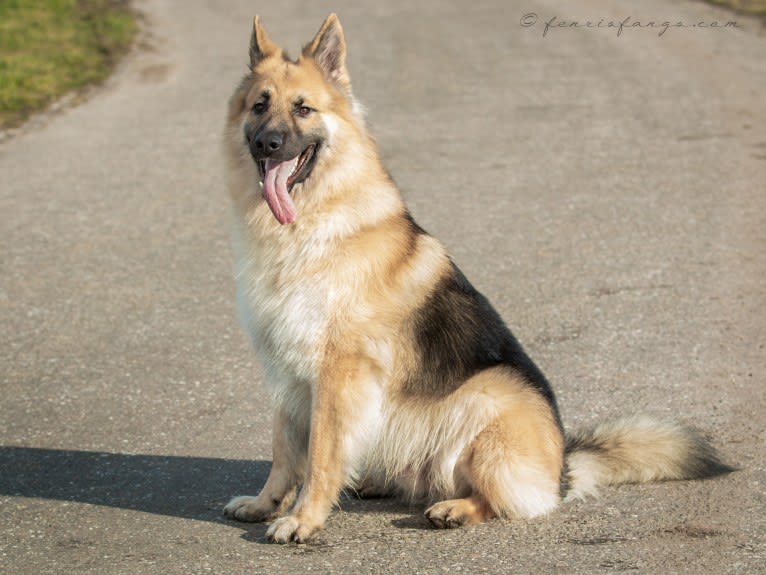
x,y
50,47
751,7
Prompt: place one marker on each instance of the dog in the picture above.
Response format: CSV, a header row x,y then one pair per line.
x,y
388,372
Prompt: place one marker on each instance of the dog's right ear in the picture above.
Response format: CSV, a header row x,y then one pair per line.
x,y
261,46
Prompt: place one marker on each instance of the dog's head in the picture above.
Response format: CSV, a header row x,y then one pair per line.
x,y
289,113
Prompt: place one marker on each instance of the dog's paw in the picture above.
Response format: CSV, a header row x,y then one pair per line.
x,y
247,508
290,528
454,513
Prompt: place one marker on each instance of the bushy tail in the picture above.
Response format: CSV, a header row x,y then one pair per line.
x,y
637,450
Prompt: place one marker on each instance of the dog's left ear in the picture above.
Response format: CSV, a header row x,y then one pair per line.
x,y
328,50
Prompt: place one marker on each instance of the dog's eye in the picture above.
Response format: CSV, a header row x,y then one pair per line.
x,y
259,107
303,111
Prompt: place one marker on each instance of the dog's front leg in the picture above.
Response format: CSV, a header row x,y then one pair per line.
x,y
334,427
287,471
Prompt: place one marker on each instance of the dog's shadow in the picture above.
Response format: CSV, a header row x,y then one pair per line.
x,y
187,487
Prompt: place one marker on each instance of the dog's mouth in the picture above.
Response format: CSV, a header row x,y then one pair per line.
x,y
279,177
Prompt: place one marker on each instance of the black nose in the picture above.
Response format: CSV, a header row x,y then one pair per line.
x,y
266,143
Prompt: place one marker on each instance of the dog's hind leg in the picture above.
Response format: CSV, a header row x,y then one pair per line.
x,y
512,467
458,512
289,447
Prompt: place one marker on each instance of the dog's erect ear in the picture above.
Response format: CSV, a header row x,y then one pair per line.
x,y
261,45
328,49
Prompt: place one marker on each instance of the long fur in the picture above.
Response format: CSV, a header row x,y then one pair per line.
x,y
639,449
388,371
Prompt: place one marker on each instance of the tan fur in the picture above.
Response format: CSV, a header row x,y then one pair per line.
x,y
638,449
328,301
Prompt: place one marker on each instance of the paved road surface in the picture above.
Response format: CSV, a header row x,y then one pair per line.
x,y
607,193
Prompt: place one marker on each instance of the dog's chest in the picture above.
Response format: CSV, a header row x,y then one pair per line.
x,y
287,313
289,325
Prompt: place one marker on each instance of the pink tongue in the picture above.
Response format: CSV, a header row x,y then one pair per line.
x,y
275,189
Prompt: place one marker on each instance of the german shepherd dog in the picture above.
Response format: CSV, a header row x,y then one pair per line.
x,y
388,371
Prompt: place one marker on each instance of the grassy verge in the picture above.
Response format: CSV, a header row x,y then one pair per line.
x,y
50,47
750,7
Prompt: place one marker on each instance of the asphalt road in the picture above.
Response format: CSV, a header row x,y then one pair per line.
x,y
605,191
